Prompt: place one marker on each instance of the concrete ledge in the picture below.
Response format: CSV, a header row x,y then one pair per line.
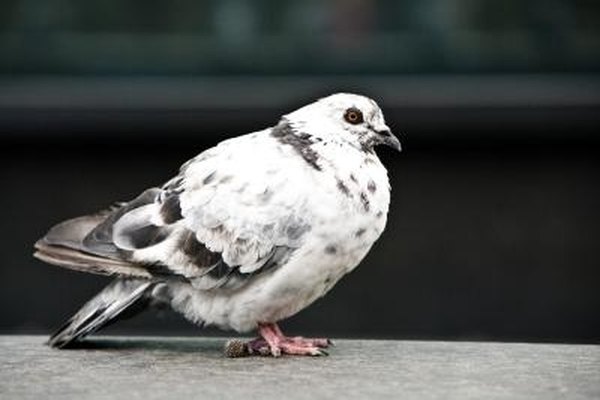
x,y
191,368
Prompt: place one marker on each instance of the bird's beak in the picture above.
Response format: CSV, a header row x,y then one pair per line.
x,y
387,138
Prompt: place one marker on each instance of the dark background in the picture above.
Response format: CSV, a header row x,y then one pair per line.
x,y
493,229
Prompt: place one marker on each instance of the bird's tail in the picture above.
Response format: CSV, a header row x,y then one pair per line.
x,y
120,295
86,243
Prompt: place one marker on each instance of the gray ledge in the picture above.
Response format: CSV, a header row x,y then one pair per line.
x,y
191,368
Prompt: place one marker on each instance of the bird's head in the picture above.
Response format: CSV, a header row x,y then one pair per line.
x,y
346,117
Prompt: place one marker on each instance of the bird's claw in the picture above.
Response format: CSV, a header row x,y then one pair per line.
x,y
274,343
291,346
321,352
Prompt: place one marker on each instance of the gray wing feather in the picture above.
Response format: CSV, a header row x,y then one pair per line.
x,y
100,239
118,296
86,244
183,230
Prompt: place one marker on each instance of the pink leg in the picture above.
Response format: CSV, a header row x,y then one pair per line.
x,y
279,344
318,342
274,343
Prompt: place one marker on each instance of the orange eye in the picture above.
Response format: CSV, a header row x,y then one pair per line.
x,y
353,116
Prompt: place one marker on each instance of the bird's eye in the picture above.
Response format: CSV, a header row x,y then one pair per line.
x,y
353,116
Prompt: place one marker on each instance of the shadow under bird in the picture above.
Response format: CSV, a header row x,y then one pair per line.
x,y
248,233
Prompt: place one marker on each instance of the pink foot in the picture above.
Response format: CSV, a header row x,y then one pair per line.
x,y
273,342
279,344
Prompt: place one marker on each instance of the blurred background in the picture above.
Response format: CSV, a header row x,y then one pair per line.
x,y
494,224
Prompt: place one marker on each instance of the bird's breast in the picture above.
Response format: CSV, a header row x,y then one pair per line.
x,y
351,201
343,207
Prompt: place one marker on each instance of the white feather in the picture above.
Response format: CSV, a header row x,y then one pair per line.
x,y
259,190
253,194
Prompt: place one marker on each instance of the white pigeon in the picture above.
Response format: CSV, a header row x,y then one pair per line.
x,y
248,233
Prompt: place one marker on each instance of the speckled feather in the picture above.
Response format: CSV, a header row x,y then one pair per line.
x,y
254,229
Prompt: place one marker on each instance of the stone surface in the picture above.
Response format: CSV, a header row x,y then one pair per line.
x,y
192,368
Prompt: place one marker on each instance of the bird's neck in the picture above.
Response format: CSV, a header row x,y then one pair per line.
x,y
324,135
326,152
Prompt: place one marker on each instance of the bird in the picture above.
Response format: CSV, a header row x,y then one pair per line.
x,y
246,234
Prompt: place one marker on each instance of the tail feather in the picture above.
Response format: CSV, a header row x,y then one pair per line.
x,y
75,259
86,243
113,300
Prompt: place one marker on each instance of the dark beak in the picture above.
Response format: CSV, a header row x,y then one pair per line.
x,y
387,138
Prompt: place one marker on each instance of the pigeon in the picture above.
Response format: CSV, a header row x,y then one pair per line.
x,y
247,234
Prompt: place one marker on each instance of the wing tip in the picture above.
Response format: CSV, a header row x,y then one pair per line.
x,y
80,261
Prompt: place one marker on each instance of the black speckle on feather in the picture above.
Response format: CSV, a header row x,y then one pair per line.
x,y
331,249
368,143
343,188
266,195
170,210
296,231
226,179
371,186
369,160
364,199
209,178
360,232
301,142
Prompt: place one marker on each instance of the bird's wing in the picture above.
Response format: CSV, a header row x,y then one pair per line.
x,y
86,243
233,211
243,201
